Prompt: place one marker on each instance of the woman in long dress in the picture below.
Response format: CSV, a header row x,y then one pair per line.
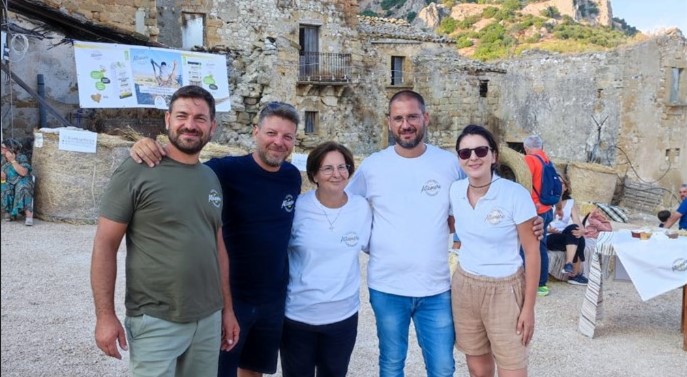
x,y
17,186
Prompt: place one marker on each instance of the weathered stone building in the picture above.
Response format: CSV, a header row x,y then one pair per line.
x,y
625,108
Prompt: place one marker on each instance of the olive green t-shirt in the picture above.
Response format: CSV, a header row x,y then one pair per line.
x,y
173,212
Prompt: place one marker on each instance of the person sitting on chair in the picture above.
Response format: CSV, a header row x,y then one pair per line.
x,y
566,234
17,187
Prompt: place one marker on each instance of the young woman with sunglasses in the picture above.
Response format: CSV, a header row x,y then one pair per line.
x,y
492,294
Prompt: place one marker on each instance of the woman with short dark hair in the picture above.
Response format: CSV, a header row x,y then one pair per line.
x,y
330,228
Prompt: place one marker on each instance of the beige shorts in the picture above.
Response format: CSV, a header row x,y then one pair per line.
x,y
485,315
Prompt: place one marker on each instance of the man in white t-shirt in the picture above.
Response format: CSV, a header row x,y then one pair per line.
x,y
407,185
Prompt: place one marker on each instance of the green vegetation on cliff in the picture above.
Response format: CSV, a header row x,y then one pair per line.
x,y
502,29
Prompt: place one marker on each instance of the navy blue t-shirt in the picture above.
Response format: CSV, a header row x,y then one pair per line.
x,y
257,219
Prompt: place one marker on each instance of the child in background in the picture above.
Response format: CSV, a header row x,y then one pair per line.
x,y
663,216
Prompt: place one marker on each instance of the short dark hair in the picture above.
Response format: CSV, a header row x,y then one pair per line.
x,y
473,129
407,93
13,145
663,215
280,109
194,91
316,156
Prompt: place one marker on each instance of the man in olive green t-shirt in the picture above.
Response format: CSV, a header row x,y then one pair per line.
x,y
178,303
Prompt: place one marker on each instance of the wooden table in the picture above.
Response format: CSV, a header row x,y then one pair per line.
x,y
683,324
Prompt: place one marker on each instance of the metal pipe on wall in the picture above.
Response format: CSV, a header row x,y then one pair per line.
x,y
42,116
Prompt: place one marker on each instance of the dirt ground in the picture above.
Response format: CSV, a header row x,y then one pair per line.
x,y
48,319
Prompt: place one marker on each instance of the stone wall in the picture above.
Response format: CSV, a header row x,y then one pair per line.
x,y
612,108
19,110
118,13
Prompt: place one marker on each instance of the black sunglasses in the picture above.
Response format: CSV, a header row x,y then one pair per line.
x,y
465,153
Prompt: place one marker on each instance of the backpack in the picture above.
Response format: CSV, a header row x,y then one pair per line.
x,y
551,187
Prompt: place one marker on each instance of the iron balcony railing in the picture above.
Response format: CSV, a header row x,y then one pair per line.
x,y
324,67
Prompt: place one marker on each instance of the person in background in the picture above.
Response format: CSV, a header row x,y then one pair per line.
x,y
260,191
534,146
408,275
663,216
492,295
680,214
566,234
18,185
178,303
330,229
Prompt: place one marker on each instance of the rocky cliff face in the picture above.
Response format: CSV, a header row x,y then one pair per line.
x,y
428,16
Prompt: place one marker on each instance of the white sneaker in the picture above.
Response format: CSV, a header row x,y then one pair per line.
x,y
29,221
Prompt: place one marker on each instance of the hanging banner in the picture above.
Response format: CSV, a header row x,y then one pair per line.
x,y
123,76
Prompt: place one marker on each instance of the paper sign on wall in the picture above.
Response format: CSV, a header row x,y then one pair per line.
x,y
78,141
123,76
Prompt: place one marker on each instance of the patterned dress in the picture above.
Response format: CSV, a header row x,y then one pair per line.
x,y
17,191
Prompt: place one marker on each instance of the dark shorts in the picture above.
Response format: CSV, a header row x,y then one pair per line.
x,y
258,346
328,348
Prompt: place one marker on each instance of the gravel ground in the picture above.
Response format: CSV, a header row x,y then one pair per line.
x,y
48,320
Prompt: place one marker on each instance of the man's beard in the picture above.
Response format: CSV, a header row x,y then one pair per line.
x,y
187,147
410,143
269,160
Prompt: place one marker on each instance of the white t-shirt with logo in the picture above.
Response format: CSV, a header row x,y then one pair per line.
x,y
488,233
324,272
409,200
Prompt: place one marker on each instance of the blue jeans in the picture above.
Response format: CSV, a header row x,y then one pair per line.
x,y
433,324
543,251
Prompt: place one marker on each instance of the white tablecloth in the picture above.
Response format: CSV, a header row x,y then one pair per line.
x,y
655,266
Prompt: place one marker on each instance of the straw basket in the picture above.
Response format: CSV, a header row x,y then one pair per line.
x,y
513,167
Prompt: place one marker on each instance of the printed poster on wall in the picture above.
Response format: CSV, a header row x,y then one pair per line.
x,y
123,76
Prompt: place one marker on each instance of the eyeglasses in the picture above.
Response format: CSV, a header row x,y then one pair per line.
x,y
411,119
465,153
329,169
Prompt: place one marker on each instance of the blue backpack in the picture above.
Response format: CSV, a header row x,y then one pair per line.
x,y
551,187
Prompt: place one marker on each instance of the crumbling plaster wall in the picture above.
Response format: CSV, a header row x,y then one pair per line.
x,y
652,128
560,98
564,99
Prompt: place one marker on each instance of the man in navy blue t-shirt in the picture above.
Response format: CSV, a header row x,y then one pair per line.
x,y
260,191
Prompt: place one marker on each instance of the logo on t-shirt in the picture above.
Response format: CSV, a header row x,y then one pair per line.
x,y
214,198
495,216
350,239
288,203
431,187
680,264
